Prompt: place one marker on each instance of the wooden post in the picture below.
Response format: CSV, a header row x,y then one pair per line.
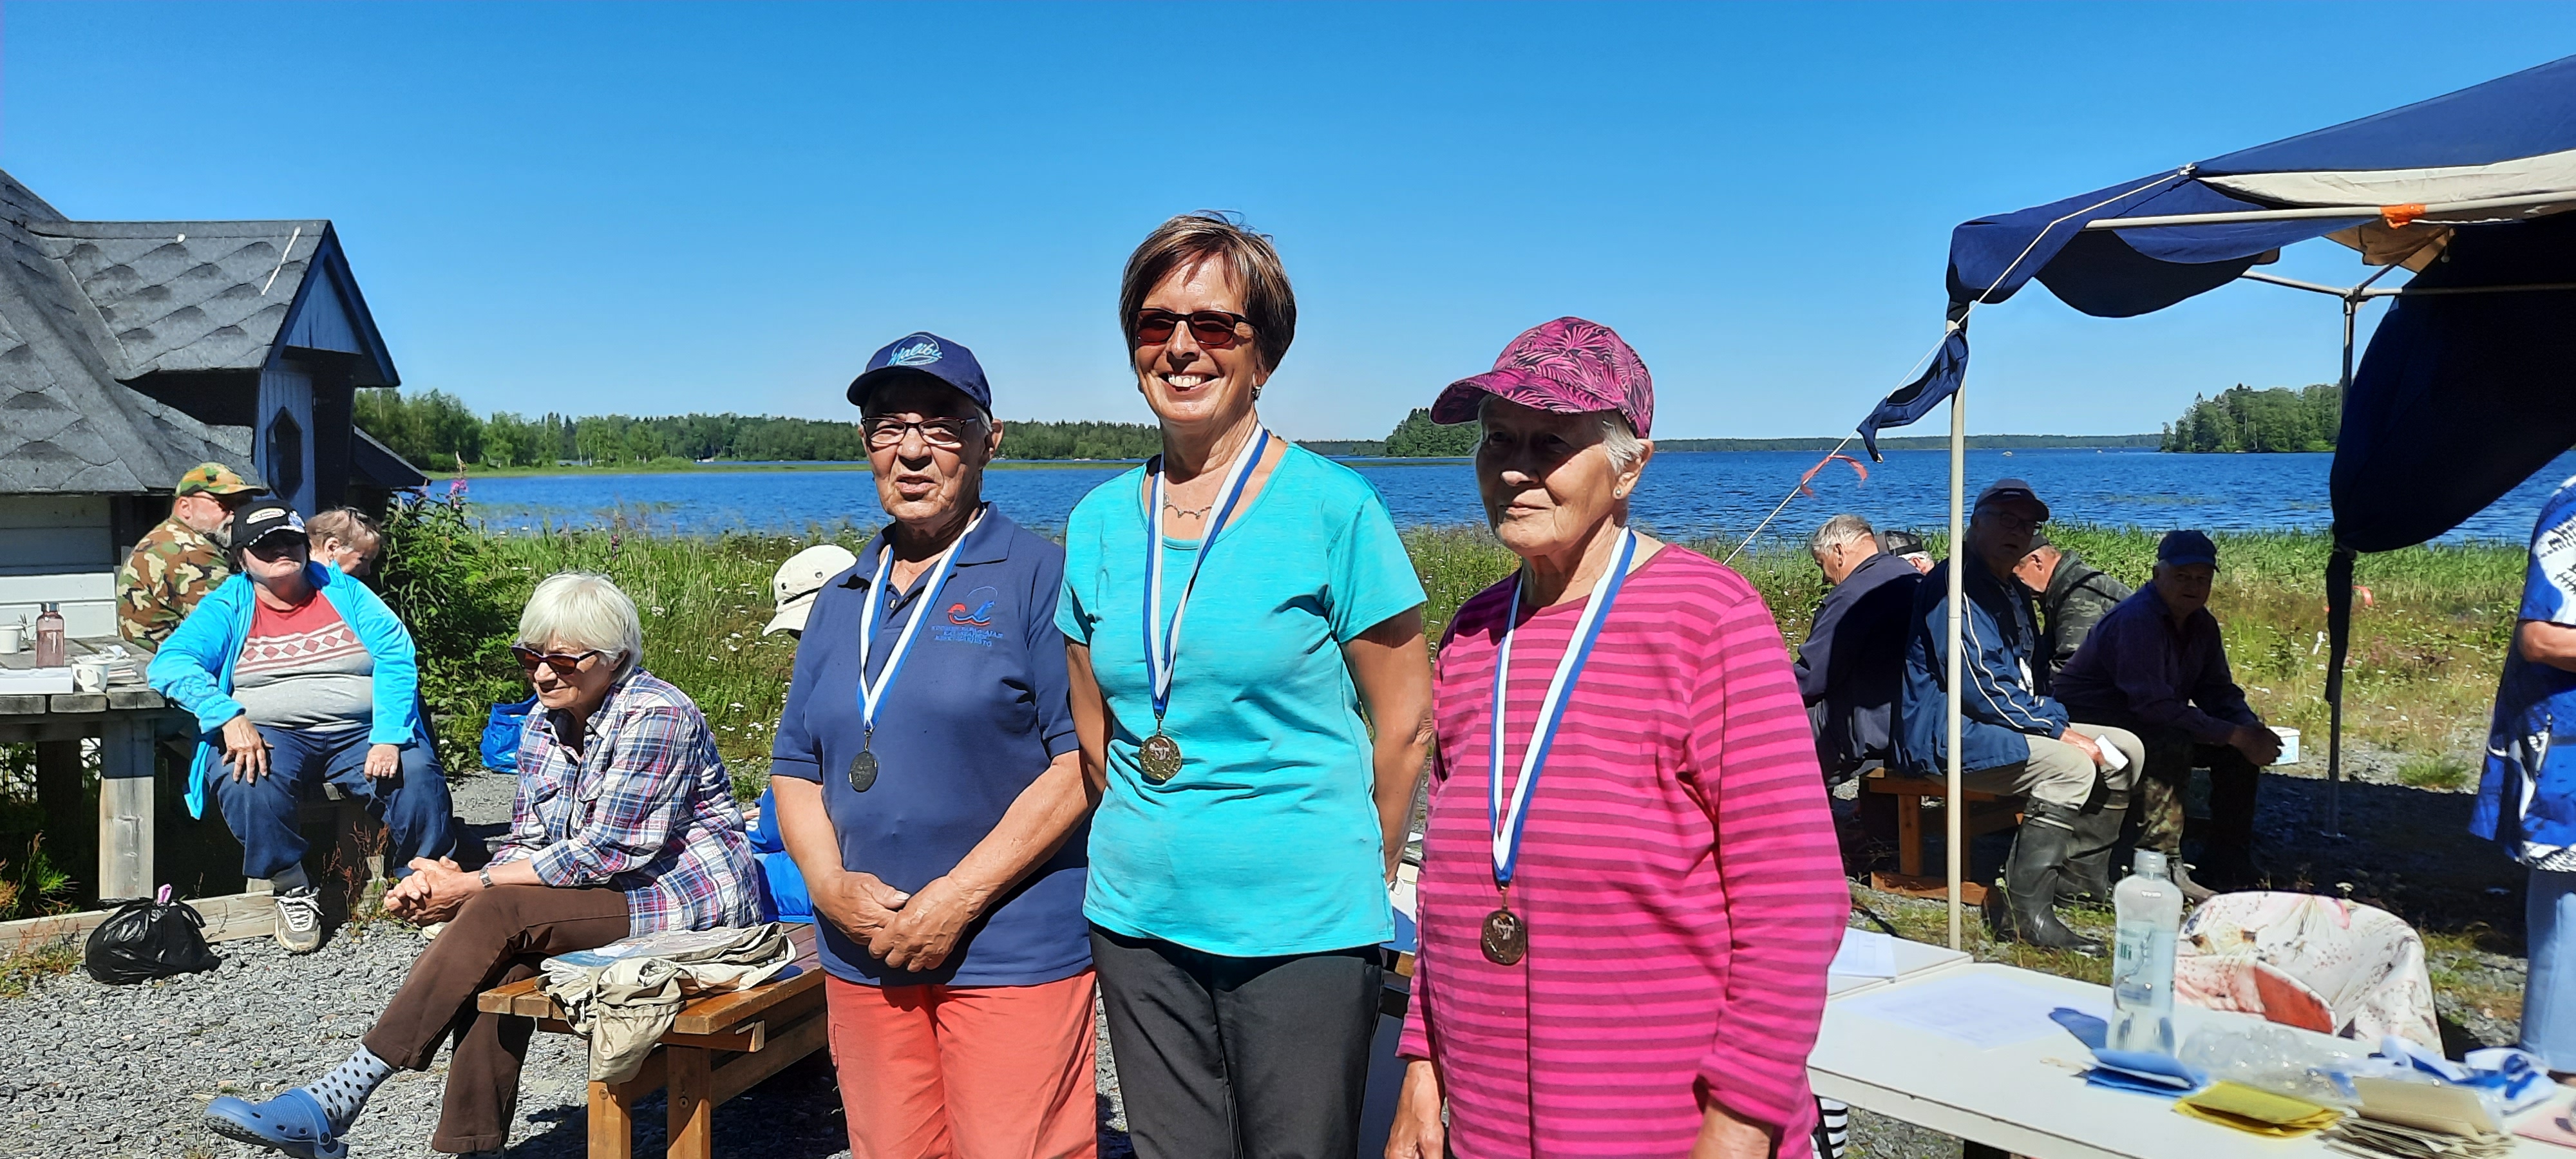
x,y
612,1123
125,808
689,1089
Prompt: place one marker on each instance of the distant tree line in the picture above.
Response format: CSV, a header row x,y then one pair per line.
x,y
1417,437
2244,419
435,431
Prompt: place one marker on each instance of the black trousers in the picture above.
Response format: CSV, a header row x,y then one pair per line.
x,y
1249,1058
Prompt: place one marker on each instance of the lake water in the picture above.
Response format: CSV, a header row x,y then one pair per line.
x,y
1684,494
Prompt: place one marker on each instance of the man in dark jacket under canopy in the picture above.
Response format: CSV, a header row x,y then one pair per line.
x,y
2013,739
2072,598
1854,658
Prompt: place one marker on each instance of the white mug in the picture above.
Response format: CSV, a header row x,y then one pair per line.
x,y
89,675
13,637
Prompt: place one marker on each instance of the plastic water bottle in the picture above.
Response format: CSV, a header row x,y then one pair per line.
x,y
49,637
2149,908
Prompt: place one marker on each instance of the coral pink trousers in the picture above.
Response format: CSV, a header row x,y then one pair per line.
x,y
966,1072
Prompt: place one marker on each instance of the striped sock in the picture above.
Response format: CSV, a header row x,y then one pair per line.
x,y
343,1092
1833,1128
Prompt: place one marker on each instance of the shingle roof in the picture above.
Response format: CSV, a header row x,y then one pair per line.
x,y
86,305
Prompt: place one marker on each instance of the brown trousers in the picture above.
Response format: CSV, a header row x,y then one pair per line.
x,y
498,937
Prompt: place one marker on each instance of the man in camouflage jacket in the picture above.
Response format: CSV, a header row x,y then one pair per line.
x,y
2072,598
180,559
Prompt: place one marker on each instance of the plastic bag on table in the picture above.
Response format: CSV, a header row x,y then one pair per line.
x,y
148,938
2271,1058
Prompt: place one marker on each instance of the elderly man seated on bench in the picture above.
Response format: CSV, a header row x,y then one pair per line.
x,y
2157,667
2013,740
624,824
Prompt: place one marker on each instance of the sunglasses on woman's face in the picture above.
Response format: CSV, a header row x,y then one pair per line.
x,y
1213,329
563,665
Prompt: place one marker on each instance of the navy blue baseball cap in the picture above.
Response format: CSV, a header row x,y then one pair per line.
x,y
922,352
2182,548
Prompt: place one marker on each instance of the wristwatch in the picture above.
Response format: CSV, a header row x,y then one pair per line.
x,y
486,875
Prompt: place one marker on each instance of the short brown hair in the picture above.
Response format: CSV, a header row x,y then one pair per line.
x,y
1192,237
348,525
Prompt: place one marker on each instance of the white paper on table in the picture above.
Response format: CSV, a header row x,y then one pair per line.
x,y
1982,1011
1864,954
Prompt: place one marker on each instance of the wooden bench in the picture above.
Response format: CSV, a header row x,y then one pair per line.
x,y
720,1046
1986,813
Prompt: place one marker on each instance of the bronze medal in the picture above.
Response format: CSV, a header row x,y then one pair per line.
x,y
863,771
1506,937
1159,757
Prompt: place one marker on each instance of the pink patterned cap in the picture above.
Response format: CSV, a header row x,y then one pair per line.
x,y
1567,365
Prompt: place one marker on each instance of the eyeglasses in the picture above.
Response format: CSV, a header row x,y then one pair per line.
x,y
1213,329
2017,523
944,434
563,665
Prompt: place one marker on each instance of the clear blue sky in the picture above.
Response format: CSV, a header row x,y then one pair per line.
x,y
654,209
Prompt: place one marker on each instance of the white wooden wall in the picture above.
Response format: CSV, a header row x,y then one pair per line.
x,y
58,548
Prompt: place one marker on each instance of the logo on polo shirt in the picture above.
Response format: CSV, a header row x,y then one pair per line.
x,y
970,619
976,608
921,353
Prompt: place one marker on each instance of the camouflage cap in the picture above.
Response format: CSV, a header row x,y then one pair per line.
x,y
213,479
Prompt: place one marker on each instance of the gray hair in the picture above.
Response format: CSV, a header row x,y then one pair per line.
x,y
1839,530
585,610
1618,439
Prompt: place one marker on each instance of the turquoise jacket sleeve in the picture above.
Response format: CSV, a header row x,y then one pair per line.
x,y
397,679
190,665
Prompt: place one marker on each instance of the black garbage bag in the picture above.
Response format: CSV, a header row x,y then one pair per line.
x,y
148,938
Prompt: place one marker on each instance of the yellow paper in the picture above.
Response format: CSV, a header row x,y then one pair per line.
x,y
2259,1112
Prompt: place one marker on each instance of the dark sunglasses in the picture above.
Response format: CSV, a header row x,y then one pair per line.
x,y
563,665
1213,329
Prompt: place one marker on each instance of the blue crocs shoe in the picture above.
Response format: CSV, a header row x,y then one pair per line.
x,y
292,1122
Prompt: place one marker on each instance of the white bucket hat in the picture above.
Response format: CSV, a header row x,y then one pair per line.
x,y
800,579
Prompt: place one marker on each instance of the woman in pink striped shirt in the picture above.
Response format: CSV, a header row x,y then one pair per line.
x,y
1625,933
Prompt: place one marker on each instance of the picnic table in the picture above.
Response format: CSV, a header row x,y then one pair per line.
x,y
720,1046
127,719
2025,1096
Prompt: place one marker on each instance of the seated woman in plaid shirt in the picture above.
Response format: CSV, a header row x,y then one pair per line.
x,y
624,824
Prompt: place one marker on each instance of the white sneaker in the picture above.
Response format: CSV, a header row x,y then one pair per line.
x,y
299,920
430,932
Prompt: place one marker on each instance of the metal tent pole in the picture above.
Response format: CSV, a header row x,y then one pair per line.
x,y
1950,805
2334,726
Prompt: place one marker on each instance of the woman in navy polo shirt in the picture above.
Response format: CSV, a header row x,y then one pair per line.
x,y
928,784
1241,614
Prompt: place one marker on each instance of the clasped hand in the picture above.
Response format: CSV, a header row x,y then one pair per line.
x,y
912,932
433,893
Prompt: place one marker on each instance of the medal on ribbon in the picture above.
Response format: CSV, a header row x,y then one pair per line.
x,y
1505,938
863,767
1159,757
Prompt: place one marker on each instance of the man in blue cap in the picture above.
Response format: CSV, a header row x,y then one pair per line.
x,y
2157,667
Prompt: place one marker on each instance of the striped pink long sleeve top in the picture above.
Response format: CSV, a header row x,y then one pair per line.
x,y
1678,875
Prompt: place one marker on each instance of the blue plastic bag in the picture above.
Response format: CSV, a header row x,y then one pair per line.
x,y
501,734
782,884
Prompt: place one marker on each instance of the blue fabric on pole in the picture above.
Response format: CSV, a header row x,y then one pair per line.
x,y
501,732
1917,398
2519,115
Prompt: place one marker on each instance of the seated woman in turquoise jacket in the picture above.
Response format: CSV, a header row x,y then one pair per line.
x,y
299,676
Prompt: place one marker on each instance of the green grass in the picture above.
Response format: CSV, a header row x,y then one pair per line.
x,y
2435,771
2425,655
20,971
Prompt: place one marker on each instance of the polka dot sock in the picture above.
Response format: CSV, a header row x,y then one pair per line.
x,y
343,1092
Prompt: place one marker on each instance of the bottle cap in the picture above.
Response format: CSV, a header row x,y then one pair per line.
x,y
2149,863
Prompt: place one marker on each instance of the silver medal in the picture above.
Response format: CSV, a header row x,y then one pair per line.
x,y
863,771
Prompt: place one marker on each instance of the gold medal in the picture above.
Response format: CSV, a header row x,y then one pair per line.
x,y
1506,938
1159,758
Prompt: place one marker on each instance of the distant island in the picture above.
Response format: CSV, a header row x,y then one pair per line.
x,y
2243,419
436,432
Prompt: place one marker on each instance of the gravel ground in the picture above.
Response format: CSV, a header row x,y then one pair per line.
x,y
125,1071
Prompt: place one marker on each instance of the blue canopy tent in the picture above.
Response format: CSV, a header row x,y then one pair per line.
x,y
2460,396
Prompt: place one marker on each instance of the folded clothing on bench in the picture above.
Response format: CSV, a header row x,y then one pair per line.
x,y
624,996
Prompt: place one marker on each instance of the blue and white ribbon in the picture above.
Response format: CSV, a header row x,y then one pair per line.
x,y
1162,648
870,696
1506,827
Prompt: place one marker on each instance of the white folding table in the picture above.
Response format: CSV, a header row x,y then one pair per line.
x,y
2026,1097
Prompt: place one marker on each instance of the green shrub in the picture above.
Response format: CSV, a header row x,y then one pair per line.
x,y
441,575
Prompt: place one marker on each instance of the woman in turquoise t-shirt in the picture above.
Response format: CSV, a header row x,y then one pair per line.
x,y
1248,823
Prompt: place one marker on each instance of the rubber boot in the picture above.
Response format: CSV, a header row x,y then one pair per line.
x,y
2031,874
2088,868
2193,892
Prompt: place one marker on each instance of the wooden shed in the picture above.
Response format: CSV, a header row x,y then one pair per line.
x,y
133,350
